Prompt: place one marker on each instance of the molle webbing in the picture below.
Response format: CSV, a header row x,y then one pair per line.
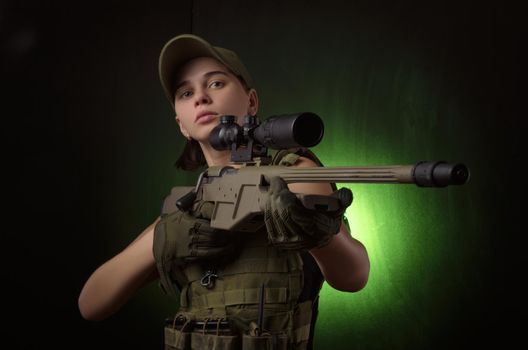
x,y
238,282
282,265
240,297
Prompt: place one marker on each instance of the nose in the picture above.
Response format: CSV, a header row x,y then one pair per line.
x,y
201,97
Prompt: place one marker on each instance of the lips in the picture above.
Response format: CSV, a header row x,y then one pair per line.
x,y
205,117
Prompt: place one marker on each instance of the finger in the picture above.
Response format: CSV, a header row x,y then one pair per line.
x,y
213,252
269,221
285,206
295,220
297,211
203,210
302,245
298,226
279,230
290,214
211,240
277,184
326,224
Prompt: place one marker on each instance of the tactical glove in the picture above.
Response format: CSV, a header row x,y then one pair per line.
x,y
183,237
292,226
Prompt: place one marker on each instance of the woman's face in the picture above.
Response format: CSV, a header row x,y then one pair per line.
x,y
206,90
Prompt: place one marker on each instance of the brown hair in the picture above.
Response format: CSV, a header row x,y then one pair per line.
x,y
192,157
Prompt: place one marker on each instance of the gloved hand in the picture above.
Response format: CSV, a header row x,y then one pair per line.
x,y
188,237
292,226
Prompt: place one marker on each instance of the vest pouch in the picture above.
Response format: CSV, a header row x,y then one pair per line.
x,y
265,342
201,341
175,339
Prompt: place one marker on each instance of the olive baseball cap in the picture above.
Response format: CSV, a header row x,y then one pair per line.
x,y
182,48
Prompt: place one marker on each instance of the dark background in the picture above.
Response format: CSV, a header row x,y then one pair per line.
x,y
91,140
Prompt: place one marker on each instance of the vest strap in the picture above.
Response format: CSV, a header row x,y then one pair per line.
x,y
302,321
302,333
183,296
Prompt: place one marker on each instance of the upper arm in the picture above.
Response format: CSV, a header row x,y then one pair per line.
x,y
148,230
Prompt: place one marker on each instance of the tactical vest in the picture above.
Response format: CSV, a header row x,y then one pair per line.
x,y
219,305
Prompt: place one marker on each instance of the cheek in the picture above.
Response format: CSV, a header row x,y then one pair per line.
x,y
183,122
178,109
182,113
241,101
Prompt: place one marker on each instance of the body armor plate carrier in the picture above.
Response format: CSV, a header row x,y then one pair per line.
x,y
219,304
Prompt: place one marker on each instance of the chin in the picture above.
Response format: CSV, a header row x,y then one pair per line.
x,y
202,135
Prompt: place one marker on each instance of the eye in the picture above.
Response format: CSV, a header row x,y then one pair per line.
x,y
184,94
216,84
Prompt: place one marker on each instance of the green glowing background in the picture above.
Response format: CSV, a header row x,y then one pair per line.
x,y
94,141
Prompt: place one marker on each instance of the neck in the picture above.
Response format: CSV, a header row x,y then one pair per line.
x,y
214,157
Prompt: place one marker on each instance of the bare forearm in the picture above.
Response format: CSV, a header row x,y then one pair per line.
x,y
118,279
344,262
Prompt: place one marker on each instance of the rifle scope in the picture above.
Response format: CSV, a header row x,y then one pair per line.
x,y
277,132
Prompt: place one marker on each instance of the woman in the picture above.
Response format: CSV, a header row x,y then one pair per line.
x,y
204,82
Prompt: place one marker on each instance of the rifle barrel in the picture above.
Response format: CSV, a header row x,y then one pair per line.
x,y
382,174
423,174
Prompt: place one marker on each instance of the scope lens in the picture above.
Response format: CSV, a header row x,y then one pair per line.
x,y
308,129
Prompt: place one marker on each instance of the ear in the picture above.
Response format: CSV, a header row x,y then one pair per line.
x,y
183,130
253,102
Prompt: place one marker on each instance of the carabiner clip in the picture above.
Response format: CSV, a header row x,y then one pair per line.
x,y
208,280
